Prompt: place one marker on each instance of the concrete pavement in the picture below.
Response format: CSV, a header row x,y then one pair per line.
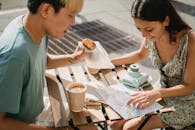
x,y
115,13
112,12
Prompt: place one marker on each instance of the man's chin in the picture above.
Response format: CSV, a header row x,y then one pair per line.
x,y
58,36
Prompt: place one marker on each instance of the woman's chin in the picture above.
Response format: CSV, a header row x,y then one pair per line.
x,y
152,39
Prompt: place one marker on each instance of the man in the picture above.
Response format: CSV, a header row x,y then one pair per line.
x,y
23,58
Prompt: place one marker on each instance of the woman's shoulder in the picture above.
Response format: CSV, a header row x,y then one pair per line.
x,y
191,41
191,37
192,34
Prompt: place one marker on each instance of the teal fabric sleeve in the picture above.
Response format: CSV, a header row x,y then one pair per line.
x,y
11,82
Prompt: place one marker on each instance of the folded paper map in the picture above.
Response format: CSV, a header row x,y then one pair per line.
x,y
118,98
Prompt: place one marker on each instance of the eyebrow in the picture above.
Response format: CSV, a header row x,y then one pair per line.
x,y
144,28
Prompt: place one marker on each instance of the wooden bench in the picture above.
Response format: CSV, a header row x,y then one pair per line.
x,y
58,79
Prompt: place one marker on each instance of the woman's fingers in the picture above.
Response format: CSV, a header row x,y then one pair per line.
x,y
140,100
137,97
144,105
135,94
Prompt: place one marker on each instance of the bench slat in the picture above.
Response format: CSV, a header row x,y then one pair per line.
x,y
58,111
112,115
79,74
95,114
110,76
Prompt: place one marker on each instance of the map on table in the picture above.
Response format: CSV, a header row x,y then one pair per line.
x,y
118,98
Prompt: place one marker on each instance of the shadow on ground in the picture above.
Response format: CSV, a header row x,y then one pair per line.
x,y
185,8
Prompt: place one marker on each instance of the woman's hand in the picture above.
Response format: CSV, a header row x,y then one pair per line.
x,y
144,99
79,54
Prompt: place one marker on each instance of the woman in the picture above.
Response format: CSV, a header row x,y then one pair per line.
x,y
24,58
172,46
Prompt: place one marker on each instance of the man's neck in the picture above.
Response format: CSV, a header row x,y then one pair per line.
x,y
33,25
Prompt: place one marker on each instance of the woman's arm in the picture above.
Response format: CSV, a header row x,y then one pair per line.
x,y
189,78
145,99
132,57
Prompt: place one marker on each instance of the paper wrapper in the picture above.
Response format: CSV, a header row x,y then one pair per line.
x,y
99,59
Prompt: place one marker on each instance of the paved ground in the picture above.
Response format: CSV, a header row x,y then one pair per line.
x,y
117,14
113,12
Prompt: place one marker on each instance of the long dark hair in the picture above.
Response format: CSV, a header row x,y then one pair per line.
x,y
157,10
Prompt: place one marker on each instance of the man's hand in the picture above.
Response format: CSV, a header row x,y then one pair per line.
x,y
79,54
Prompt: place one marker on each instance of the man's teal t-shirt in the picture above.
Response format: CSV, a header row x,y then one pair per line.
x,y
22,72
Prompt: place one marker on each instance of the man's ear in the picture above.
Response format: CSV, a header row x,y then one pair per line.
x,y
166,21
45,9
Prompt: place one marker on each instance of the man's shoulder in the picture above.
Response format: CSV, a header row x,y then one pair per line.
x,y
11,35
14,26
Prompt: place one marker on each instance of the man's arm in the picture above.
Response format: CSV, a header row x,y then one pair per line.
x,y
54,61
11,124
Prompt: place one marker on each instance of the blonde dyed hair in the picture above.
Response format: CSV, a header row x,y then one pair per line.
x,y
73,5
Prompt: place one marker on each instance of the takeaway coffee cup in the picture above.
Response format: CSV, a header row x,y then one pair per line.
x,y
76,96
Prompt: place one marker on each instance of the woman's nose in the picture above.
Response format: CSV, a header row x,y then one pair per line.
x,y
144,34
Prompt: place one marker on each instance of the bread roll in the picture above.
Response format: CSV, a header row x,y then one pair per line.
x,y
88,43
93,71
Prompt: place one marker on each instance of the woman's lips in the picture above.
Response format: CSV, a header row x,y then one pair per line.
x,y
150,38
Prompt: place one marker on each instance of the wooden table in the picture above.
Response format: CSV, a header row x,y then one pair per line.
x,y
59,78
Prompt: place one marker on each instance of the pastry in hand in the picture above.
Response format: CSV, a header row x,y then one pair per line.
x,y
93,71
89,44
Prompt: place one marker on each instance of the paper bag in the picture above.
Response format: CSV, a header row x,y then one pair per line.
x,y
99,59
